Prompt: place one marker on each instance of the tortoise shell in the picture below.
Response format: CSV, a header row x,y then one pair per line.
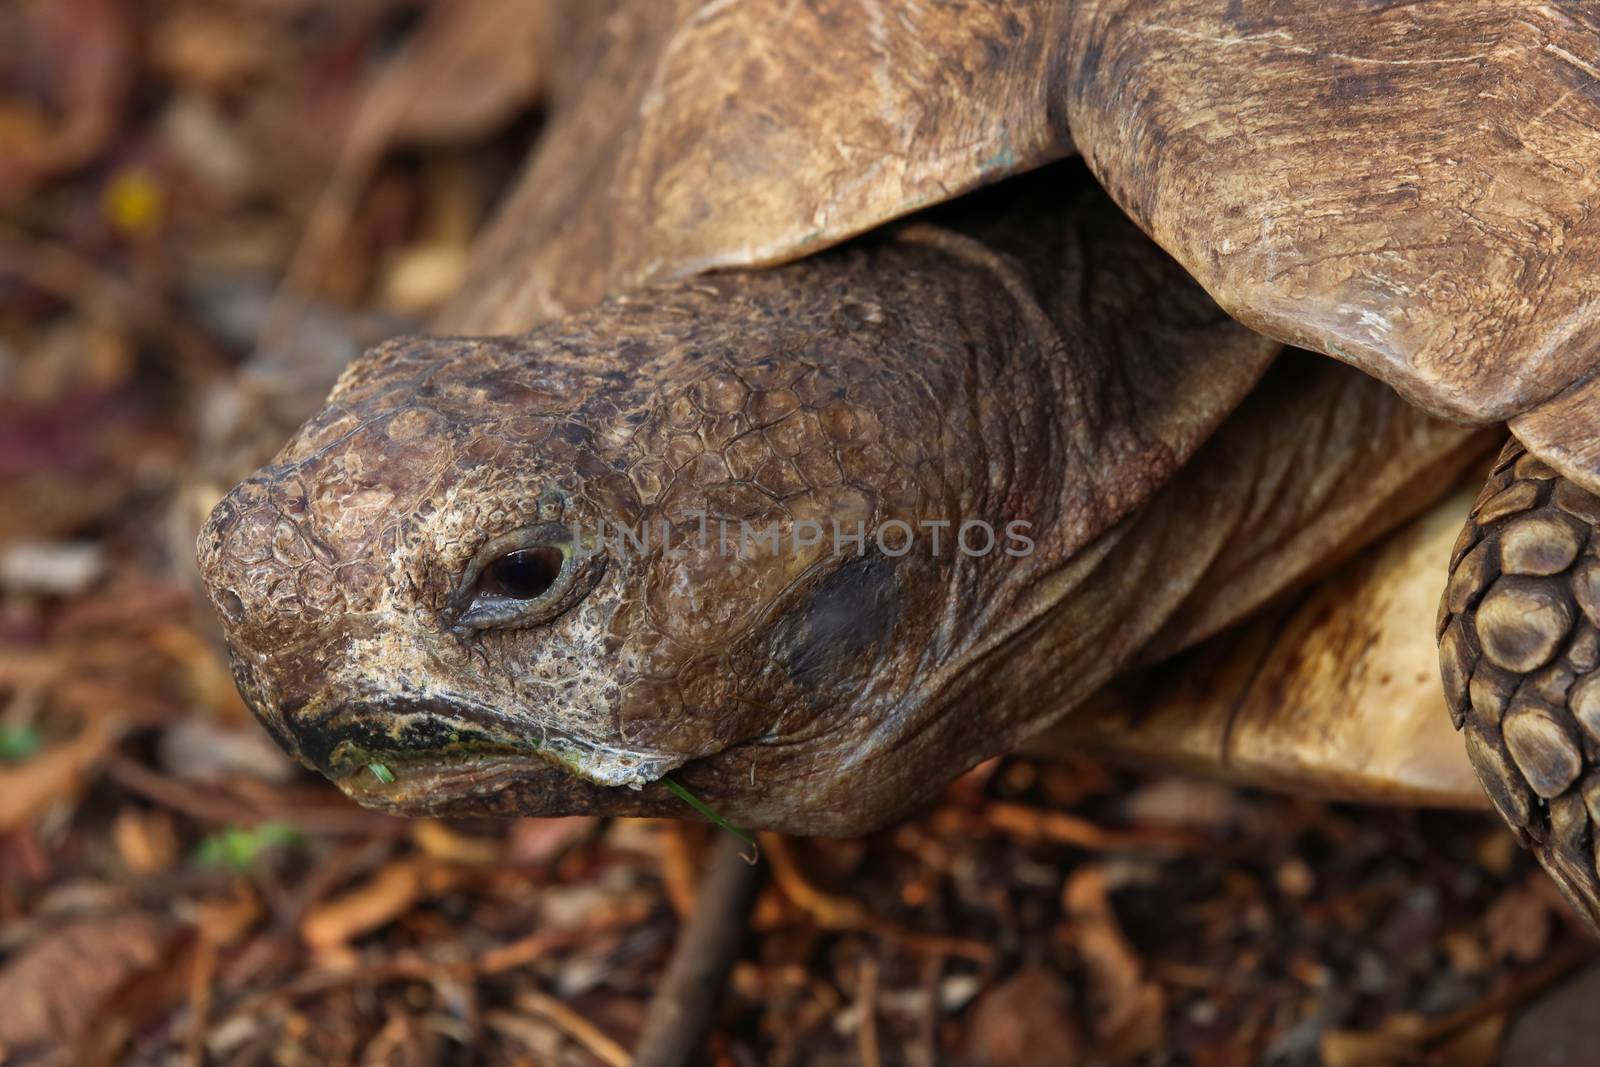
x,y
1405,188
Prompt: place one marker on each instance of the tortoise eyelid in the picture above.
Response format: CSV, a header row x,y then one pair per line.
x,y
474,608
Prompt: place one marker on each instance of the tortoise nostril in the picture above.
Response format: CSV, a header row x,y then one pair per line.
x,y
231,606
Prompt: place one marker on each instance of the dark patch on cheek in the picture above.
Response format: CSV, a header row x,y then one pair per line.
x,y
830,636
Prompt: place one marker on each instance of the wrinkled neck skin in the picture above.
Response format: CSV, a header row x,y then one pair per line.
x,y
758,485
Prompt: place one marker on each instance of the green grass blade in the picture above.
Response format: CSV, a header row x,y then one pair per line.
x,y
710,813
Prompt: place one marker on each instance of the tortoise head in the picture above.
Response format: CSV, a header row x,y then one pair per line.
x,y
406,586
485,571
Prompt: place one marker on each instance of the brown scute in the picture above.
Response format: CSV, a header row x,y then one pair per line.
x,y
1455,665
1586,590
1584,652
1584,700
1519,666
1500,780
1591,795
647,171
1544,752
1539,544
1521,623
1490,691
1471,577
1551,684
1515,498
1533,469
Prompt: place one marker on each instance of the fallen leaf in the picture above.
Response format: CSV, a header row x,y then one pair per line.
x,y
379,900
422,277
147,841
466,71
200,749
537,841
1476,1046
84,46
1556,1029
1187,802
1026,1020
1129,1008
1518,924
437,841
52,988
1350,1048
57,568
54,774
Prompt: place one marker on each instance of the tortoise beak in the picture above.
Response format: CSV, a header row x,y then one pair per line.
x,y
356,735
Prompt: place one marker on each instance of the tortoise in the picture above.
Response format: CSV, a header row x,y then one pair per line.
x,y
1054,280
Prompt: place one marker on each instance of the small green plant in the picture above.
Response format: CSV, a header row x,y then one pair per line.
x,y
237,848
683,794
18,743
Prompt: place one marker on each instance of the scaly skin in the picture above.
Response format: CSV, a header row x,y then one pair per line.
x,y
1519,650
921,378
1039,366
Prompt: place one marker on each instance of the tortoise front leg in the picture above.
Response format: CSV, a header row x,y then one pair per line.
x,y
1519,650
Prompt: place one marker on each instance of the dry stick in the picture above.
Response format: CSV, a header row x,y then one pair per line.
x,y
867,1001
200,998
832,912
573,1025
681,1012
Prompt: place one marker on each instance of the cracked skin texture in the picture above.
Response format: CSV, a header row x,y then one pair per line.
x,y
1007,361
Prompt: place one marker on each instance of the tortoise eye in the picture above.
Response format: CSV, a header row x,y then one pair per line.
x,y
526,574
523,578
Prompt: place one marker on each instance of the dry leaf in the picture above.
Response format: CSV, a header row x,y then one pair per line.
x,y
379,900
83,46
54,774
437,841
1519,925
1025,1021
467,70
51,989
1476,1046
147,841
1350,1048
1130,1009
536,841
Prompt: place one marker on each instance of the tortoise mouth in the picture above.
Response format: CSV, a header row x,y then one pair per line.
x,y
516,785
404,753
355,735
426,783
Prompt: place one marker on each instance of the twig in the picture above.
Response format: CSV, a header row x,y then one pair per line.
x,y
689,992
564,1019
867,1000
923,1052
832,912
412,967
679,866
200,996
1061,828
1512,991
